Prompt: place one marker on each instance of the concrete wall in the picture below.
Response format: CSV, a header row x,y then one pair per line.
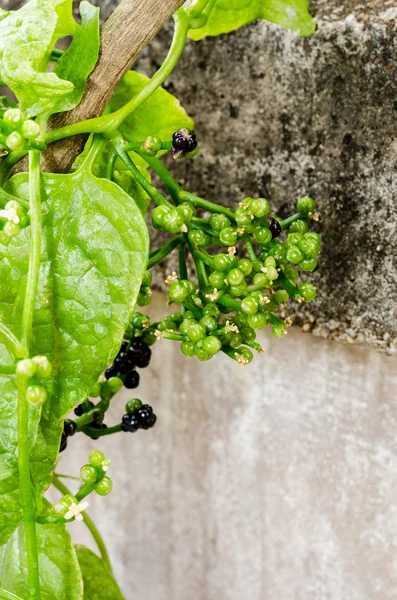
x,y
277,482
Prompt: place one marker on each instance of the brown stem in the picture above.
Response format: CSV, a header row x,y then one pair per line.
x,y
125,34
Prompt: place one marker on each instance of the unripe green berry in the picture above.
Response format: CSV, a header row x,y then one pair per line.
x,y
196,332
151,146
88,474
217,279
246,353
209,323
144,299
158,217
211,344
30,130
278,251
15,141
133,405
96,458
44,367
64,504
260,279
294,255
147,279
236,339
281,296
243,216
173,221
248,334
259,207
278,330
298,226
307,290
237,290
26,367
270,262
95,391
202,355
222,262
115,384
188,349
13,117
261,235
291,273
308,264
309,246
219,222
305,205
293,239
186,211
178,292
235,277
228,236
257,321
246,266
211,310
36,395
250,305
199,238
11,229
104,487
185,325
271,273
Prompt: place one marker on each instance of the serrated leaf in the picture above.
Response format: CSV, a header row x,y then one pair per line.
x,y
94,254
99,583
228,15
79,60
26,39
60,576
160,116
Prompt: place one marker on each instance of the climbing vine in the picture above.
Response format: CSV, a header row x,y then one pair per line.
x,y
75,272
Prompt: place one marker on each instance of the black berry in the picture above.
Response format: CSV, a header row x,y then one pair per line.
x,y
143,359
132,380
274,227
126,366
143,414
64,443
150,422
183,141
129,423
69,427
111,372
83,408
123,348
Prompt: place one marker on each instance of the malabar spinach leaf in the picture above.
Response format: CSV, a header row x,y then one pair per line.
x,y
94,254
228,15
99,583
60,576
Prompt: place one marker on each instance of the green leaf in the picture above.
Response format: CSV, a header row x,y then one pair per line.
x,y
80,58
94,254
60,576
228,15
99,583
3,14
160,116
26,39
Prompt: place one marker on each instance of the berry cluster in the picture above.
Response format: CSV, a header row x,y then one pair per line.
x,y
184,141
69,429
138,416
17,132
131,355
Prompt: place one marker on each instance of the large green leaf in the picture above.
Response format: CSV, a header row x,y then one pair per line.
x,y
228,15
80,58
160,116
99,583
60,576
94,254
26,39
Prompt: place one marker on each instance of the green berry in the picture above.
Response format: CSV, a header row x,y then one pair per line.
x,y
144,299
173,221
305,205
199,238
222,262
202,355
138,319
95,391
294,255
158,217
228,236
36,395
96,458
307,290
270,262
211,310
27,367
196,332
281,296
88,474
13,117
188,349
44,366
151,146
298,226
147,279
148,337
248,334
278,251
262,235
308,264
211,344
271,273
293,239
237,290
11,229
133,405
259,207
217,279
257,321
250,305
236,339
260,279
245,266
186,211
243,216
278,330
30,130
115,384
310,246
235,277
104,487
185,325
178,292
246,354
15,141
291,273
64,504
219,222
209,323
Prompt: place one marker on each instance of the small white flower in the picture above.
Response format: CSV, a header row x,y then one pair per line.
x,y
171,278
264,300
105,465
288,322
232,328
75,510
212,297
159,335
232,250
10,215
242,361
184,228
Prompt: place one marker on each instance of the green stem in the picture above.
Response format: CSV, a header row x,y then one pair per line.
x,y
35,248
110,123
173,336
229,302
206,205
100,432
297,217
197,8
8,596
11,342
26,492
169,181
90,524
110,165
206,258
182,261
200,266
249,247
160,254
136,146
7,370
119,145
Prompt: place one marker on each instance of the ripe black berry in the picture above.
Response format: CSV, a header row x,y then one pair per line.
x,y
64,443
142,360
183,141
81,409
132,380
126,366
129,423
150,422
111,372
123,348
69,427
274,227
144,414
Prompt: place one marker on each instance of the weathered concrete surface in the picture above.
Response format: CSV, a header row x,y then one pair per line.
x,y
277,482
